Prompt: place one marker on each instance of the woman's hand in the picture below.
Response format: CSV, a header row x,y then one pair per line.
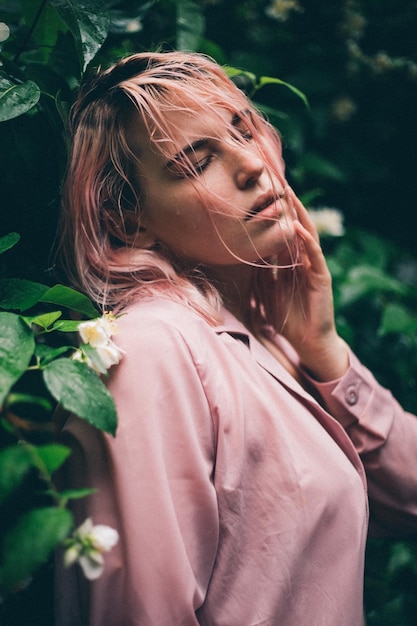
x,y
308,316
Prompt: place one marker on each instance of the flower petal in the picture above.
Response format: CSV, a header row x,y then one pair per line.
x,y
92,565
104,537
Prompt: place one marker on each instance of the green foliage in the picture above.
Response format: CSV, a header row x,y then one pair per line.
x,y
31,536
375,292
21,553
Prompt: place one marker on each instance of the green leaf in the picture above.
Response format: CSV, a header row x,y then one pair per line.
x,y
20,294
30,543
364,280
236,71
15,462
269,80
8,241
52,455
46,28
45,320
17,344
79,390
28,398
88,23
190,25
262,81
70,298
397,319
16,99
67,326
76,494
317,165
46,353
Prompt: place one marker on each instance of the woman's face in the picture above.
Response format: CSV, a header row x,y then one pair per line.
x,y
231,211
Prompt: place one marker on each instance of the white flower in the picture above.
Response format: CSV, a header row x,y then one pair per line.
x,y
87,546
97,333
328,221
134,26
281,9
109,354
4,31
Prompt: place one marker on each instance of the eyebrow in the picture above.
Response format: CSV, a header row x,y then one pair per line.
x,y
201,143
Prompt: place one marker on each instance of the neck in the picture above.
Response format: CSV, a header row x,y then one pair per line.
x,y
233,283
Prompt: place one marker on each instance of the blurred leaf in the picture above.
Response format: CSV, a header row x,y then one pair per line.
x,y
397,319
29,544
17,344
20,398
70,298
365,280
374,250
190,25
79,390
75,494
52,455
15,462
88,23
8,241
319,166
16,99
20,294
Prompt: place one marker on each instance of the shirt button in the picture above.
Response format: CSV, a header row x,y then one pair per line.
x,y
351,396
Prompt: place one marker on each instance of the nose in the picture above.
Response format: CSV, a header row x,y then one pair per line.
x,y
248,166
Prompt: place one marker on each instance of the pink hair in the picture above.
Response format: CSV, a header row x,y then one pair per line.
x,y
101,196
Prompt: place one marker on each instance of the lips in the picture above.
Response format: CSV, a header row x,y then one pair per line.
x,y
261,204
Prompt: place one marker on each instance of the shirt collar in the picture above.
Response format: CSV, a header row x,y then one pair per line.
x,y
232,326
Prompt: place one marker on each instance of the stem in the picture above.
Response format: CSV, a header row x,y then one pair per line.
x,y
40,465
30,32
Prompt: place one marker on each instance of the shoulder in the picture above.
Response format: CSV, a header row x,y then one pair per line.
x,y
159,323
170,355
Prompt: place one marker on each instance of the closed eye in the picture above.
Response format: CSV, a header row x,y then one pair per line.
x,y
240,122
190,169
203,164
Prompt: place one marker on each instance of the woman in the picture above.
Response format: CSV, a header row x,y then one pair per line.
x,y
236,480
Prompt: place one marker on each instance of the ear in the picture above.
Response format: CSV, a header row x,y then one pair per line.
x,y
127,230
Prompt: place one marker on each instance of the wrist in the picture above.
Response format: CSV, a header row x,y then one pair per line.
x,y
327,361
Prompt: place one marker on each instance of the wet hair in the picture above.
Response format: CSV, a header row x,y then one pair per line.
x,y
102,207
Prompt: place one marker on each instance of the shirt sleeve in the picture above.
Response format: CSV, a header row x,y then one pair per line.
x,y
385,437
154,483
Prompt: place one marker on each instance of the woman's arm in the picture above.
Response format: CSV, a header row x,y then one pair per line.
x,y
383,433
385,437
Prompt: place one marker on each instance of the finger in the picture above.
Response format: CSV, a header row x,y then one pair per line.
x,y
312,249
303,215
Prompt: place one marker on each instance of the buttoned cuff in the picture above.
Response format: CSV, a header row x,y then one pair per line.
x,y
347,397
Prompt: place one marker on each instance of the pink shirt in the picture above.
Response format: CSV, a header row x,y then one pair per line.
x,y
239,500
